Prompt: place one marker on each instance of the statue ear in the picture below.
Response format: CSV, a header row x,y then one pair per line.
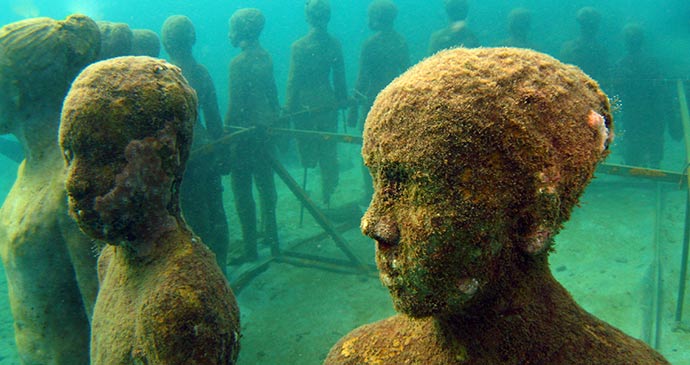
x,y
543,222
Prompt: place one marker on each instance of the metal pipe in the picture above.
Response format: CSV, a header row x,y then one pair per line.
x,y
659,285
685,118
315,212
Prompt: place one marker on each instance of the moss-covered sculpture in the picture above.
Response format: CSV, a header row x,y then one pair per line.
x,y
456,33
478,157
116,39
519,26
126,133
384,57
145,42
49,263
202,190
587,51
252,102
316,89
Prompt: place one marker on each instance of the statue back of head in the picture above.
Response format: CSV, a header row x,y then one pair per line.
x,y
589,19
318,13
246,25
178,35
456,9
633,37
519,21
40,57
382,14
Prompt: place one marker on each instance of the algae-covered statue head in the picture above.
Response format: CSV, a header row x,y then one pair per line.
x,y
318,13
456,9
126,132
633,37
588,19
519,22
39,58
246,26
145,42
178,36
116,39
382,14
478,156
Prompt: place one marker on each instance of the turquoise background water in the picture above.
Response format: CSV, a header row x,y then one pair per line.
x,y
602,255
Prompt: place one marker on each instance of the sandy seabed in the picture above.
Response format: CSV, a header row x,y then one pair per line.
x,y
605,256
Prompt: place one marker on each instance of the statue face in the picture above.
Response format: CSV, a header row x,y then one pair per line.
x,y
122,197
92,167
439,239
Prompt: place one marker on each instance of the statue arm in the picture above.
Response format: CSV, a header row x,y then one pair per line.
x,y
291,94
208,101
339,85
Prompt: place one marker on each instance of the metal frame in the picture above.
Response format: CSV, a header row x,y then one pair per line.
x,y
685,118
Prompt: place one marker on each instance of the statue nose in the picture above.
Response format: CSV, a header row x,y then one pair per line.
x,y
384,230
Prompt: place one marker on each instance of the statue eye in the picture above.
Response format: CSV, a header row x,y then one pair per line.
x,y
392,179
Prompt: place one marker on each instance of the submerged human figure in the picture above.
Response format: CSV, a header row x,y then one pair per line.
x,y
253,102
126,133
145,42
586,51
645,98
384,56
116,39
202,189
519,26
472,182
49,264
316,59
456,34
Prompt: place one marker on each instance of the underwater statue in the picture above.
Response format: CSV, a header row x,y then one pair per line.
x,y
586,51
253,102
474,174
126,133
456,34
316,59
201,193
384,56
145,42
50,265
519,26
116,40
647,102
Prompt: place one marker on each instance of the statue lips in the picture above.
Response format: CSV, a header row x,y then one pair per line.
x,y
387,263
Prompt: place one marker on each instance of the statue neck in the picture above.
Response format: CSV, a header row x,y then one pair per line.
x,y
164,237
37,131
530,308
183,60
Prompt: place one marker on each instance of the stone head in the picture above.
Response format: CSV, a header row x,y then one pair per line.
x,y
39,58
382,14
246,26
125,132
178,36
477,156
588,18
456,9
633,37
318,13
519,21
145,42
116,40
